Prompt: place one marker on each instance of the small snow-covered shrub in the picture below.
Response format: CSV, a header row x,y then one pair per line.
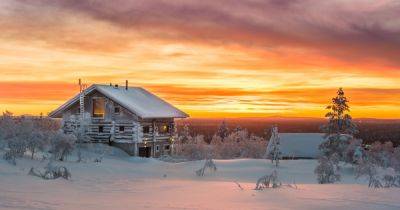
x,y
390,178
10,157
51,172
209,164
268,181
327,170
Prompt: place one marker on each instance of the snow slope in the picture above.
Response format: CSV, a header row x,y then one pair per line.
x,y
121,182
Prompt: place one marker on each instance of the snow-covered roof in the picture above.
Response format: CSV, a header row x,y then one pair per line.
x,y
136,99
300,145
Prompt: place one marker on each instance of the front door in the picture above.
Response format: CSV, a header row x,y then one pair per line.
x,y
145,152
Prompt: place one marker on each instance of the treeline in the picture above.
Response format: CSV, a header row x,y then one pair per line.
x,y
370,130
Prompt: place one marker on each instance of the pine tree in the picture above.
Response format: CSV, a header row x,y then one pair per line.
x,y
223,130
338,132
340,127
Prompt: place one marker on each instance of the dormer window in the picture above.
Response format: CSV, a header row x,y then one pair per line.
x,y
117,110
98,107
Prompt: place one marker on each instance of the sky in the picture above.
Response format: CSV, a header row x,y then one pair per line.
x,y
243,58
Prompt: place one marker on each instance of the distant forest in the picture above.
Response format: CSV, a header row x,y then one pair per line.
x,y
370,130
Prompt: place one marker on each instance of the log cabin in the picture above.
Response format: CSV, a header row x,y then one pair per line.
x,y
130,118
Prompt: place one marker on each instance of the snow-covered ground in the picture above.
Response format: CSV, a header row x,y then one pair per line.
x,y
122,182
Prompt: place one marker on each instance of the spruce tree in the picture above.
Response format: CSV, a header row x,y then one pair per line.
x,y
223,130
340,127
338,132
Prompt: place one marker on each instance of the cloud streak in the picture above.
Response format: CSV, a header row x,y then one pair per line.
x,y
351,31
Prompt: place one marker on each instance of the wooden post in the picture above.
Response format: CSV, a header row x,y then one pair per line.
x,y
154,138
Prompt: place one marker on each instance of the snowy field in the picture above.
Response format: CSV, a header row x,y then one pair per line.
x,y
122,182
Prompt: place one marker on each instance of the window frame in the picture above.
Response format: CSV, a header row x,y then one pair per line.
x,y
165,147
104,108
147,128
119,109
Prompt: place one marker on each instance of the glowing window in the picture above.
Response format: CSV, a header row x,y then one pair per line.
x,y
98,107
163,128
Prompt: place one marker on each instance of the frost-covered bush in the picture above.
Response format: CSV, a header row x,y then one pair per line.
x,y
62,145
368,168
390,178
354,151
238,144
51,172
268,181
194,149
23,133
327,170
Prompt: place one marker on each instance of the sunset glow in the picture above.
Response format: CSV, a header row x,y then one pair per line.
x,y
210,59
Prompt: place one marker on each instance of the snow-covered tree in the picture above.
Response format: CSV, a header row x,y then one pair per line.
x,y
273,148
208,165
366,167
36,142
395,160
223,130
340,127
62,145
185,136
7,128
327,170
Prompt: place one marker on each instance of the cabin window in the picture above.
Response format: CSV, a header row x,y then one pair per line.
x,y
121,128
98,107
117,110
146,129
166,147
101,129
163,129
157,148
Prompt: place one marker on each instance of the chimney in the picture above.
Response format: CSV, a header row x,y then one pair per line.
x,y
126,84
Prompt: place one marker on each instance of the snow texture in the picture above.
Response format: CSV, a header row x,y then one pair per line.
x,y
121,182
